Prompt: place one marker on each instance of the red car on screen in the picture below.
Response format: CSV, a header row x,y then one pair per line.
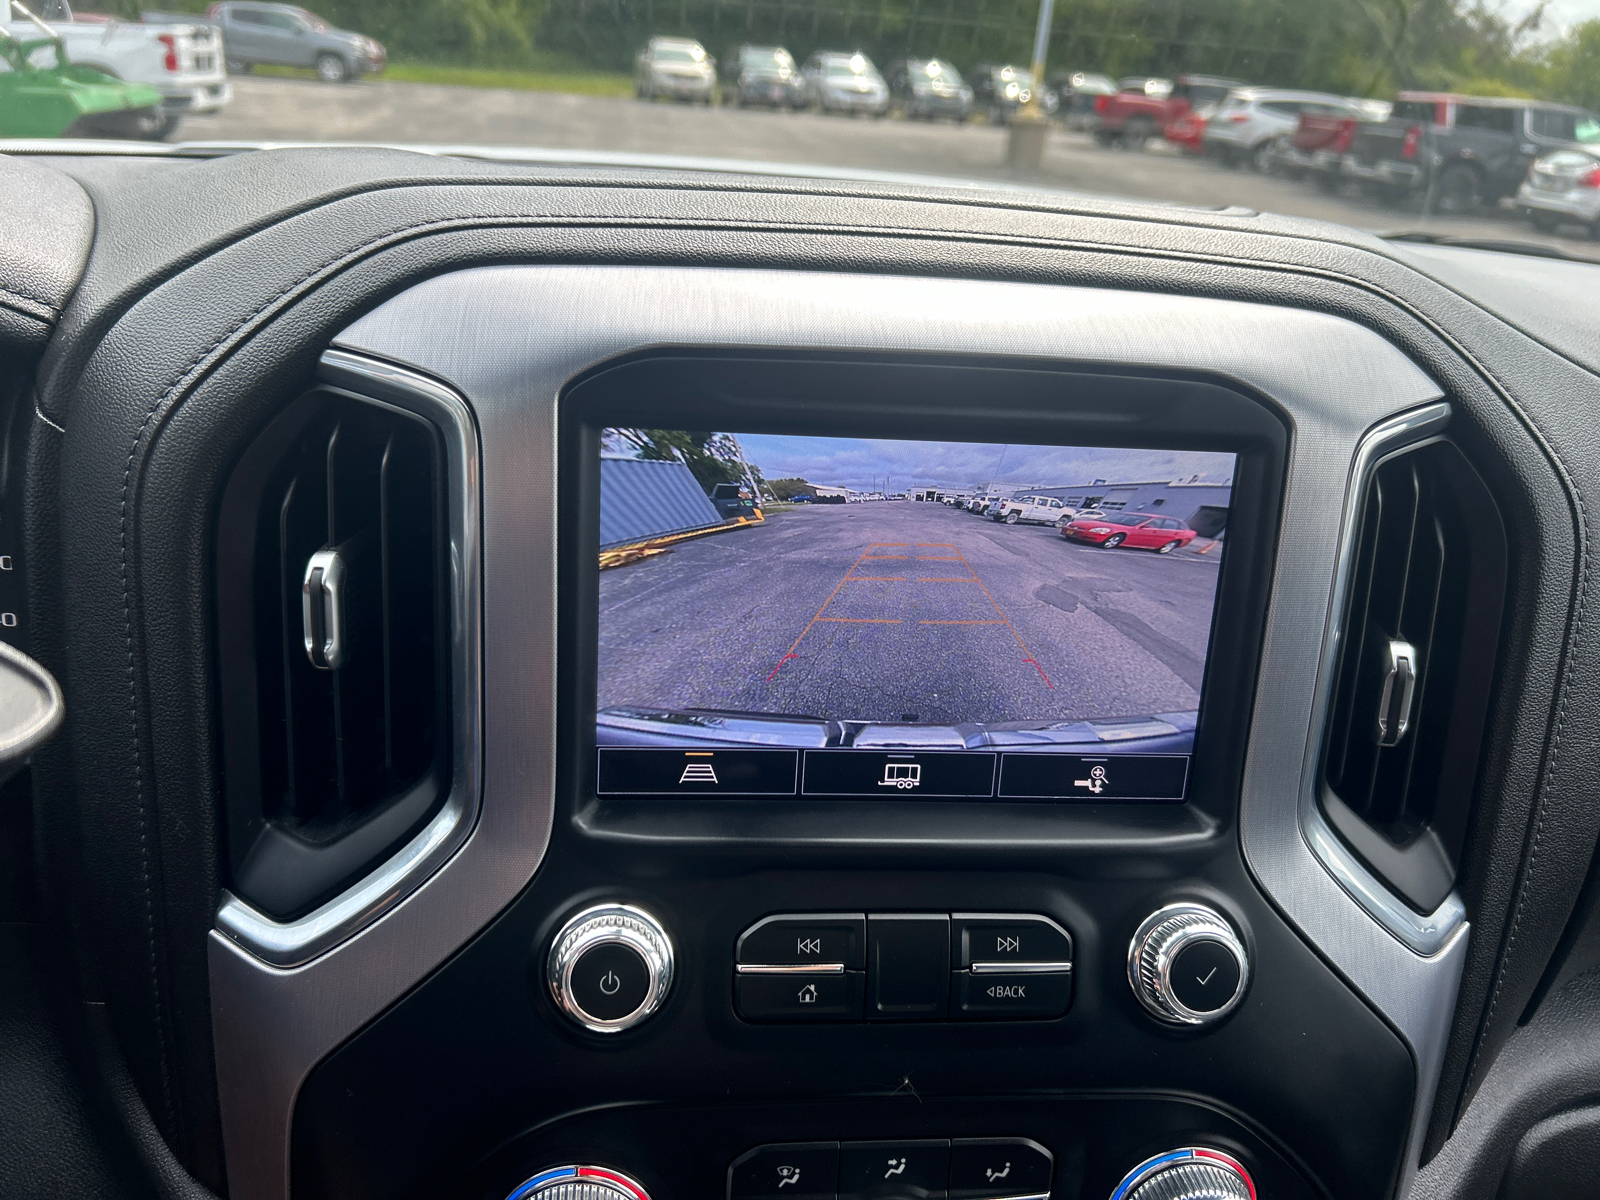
x,y
1138,531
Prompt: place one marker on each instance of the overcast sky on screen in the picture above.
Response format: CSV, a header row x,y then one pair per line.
x,y
864,463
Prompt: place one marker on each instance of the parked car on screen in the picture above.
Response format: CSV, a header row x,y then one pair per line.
x,y
925,89
1249,121
674,69
1137,531
1458,152
1032,510
733,500
1563,188
998,91
1075,93
283,35
765,75
845,83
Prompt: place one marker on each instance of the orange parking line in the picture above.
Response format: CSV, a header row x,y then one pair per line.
x,y
1028,653
861,620
949,579
961,622
874,579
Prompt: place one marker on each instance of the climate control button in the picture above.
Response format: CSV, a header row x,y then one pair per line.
x,y
610,967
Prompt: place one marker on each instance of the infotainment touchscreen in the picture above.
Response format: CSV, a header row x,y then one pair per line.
x,y
825,618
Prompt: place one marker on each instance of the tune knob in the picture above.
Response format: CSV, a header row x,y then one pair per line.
x,y
579,1183
610,967
1188,1174
1187,966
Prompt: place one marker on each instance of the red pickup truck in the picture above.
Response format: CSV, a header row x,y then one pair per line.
x,y
1141,108
1316,147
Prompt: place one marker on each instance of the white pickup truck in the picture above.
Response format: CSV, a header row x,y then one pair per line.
x,y
1035,510
180,59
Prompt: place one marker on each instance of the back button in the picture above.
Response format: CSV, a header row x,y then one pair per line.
x,y
803,1171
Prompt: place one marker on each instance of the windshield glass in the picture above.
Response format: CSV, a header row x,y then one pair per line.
x,y
1404,118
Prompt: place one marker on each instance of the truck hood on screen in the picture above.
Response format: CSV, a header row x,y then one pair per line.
x,y
626,725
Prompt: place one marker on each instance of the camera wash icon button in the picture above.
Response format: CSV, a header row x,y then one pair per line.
x,y
803,1171
898,774
1093,778
635,771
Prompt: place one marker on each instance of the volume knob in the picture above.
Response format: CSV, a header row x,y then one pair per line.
x,y
610,967
1187,966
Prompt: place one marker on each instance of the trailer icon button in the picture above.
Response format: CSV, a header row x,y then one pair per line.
x,y
901,774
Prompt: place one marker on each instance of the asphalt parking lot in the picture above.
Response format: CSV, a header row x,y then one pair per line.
x,y
270,109
900,611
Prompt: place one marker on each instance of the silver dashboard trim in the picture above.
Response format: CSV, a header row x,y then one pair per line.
x,y
1422,934
291,943
508,338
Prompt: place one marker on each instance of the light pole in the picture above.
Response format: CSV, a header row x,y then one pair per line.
x,y
1025,144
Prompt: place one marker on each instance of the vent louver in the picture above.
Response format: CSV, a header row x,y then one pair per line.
x,y
1415,667
332,759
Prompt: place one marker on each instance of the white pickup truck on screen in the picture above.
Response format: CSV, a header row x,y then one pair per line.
x,y
1033,510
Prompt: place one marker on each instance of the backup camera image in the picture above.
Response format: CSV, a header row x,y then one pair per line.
x,y
814,616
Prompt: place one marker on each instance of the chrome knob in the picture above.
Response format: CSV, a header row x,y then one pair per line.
x,y
610,967
579,1183
1187,966
1188,1174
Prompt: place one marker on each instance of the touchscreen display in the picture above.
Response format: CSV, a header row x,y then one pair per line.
x,y
819,617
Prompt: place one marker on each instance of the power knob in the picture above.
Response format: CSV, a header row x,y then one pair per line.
x,y
1187,966
1188,1174
610,967
579,1183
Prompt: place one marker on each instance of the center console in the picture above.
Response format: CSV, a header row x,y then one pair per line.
x,y
896,706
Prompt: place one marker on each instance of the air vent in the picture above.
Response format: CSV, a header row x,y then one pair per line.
x,y
333,613
1416,663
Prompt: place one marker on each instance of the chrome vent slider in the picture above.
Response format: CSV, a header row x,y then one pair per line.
x,y
322,609
1399,687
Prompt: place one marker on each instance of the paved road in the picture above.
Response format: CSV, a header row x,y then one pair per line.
x,y
379,110
898,611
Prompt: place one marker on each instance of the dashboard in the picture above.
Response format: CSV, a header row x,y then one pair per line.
x,y
468,791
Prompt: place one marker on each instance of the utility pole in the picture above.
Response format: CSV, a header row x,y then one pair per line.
x,y
1025,143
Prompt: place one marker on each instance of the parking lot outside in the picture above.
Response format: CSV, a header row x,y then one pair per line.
x,y
906,611
378,110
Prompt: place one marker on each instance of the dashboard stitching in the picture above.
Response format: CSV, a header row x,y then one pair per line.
x,y
139,788
24,301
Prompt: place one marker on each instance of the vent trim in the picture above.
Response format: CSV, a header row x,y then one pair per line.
x,y
1425,934
289,943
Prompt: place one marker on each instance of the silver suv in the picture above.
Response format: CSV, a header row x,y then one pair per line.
x,y
284,35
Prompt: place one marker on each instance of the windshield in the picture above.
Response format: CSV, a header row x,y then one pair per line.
x,y
769,60
1418,119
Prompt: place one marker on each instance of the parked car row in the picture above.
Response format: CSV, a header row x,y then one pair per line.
x,y
1087,526
847,81
1450,153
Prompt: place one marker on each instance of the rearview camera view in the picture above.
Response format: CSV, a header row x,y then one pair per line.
x,y
845,617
